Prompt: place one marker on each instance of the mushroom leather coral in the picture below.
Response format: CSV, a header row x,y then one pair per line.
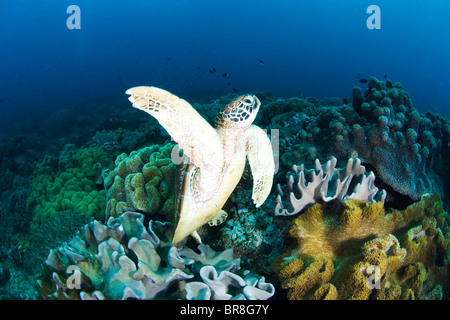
x,y
142,181
128,258
367,252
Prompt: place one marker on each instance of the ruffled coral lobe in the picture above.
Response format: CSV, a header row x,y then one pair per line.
x,y
362,248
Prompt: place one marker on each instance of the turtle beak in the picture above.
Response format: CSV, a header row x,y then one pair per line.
x,y
257,103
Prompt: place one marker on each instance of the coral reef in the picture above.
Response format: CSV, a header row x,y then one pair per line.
x,y
23,258
327,183
142,181
14,219
18,155
338,249
79,187
122,140
407,150
365,252
255,234
125,259
51,234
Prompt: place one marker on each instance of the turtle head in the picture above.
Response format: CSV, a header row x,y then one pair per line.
x,y
239,113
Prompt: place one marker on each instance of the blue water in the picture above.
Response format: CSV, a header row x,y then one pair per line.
x,y
309,48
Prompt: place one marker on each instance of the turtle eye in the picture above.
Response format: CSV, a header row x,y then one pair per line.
x,y
248,101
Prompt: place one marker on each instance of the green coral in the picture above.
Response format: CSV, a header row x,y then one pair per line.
x,y
75,188
142,181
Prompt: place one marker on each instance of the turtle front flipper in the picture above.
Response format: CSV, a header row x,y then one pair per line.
x,y
187,127
260,157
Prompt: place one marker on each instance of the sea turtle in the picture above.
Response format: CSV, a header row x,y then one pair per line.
x,y
217,155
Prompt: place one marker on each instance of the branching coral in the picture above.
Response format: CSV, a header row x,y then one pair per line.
x,y
124,259
328,183
366,252
142,181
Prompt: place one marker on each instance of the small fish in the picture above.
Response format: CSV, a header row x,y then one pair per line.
x,y
260,61
235,90
244,88
363,80
225,75
228,83
198,68
385,76
344,100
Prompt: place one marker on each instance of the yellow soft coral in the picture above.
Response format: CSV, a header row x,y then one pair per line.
x,y
380,259
362,243
309,279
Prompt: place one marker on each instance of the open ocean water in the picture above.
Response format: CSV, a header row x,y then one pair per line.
x,y
309,48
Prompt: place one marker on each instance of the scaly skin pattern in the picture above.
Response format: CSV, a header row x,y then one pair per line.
x,y
218,155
